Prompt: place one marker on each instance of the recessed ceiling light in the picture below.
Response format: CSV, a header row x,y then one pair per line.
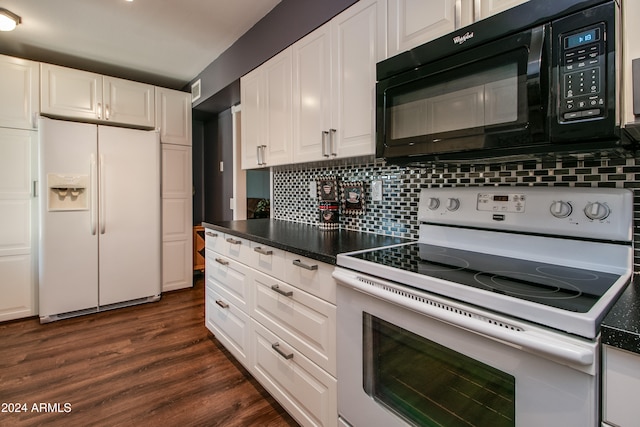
x,y
8,20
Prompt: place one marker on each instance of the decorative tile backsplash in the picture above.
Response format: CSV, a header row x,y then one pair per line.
x,y
396,214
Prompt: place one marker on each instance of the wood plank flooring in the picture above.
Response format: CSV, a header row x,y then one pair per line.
x,y
154,364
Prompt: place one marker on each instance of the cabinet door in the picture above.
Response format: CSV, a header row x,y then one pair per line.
x,y
493,7
177,217
620,383
17,228
414,22
312,95
19,83
277,109
173,116
358,43
65,92
128,103
251,124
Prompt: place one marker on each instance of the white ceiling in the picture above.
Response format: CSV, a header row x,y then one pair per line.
x,y
164,42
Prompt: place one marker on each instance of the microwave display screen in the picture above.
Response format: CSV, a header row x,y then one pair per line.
x,y
582,38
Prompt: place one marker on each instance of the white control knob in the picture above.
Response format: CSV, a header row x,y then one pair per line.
x,y
561,209
434,203
453,204
597,210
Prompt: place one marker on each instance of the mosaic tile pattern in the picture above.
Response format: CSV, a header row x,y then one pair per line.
x,y
396,214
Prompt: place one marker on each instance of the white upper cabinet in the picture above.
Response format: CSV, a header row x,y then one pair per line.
x,y
334,84
173,116
266,113
414,22
19,92
70,93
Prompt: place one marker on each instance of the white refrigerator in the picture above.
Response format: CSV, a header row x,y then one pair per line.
x,y
100,218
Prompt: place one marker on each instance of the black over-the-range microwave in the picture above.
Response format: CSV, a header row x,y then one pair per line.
x,y
541,78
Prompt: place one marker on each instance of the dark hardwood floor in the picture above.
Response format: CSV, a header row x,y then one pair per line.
x,y
152,364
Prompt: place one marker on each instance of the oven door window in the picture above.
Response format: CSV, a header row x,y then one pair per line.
x,y
430,385
468,107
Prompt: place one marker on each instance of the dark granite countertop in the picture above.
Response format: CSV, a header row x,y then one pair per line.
x,y
621,327
303,239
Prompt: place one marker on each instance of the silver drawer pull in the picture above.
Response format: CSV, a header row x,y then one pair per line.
x,y
305,266
234,241
222,261
263,251
222,303
281,292
276,347
211,234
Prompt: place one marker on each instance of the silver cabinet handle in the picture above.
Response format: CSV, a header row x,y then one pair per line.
x,y
281,292
457,19
325,149
332,142
222,261
276,347
211,234
263,251
99,110
222,303
234,241
106,112
301,264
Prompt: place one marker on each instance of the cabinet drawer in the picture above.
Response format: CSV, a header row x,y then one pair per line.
x,y
213,239
305,321
307,392
269,260
231,279
230,325
237,248
312,276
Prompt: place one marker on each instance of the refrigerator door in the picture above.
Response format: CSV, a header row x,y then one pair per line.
x,y
68,259
129,225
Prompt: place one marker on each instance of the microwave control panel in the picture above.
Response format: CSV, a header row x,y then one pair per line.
x,y
583,73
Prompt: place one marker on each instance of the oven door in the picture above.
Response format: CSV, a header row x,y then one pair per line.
x,y
490,96
406,357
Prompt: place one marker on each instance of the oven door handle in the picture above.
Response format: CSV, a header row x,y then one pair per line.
x,y
439,310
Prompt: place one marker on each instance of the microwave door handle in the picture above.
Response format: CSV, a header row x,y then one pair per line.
x,y
534,62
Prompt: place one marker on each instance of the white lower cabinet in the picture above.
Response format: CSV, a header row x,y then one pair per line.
x,y
620,385
275,312
307,392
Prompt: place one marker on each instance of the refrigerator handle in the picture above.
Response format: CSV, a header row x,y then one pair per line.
x,y
94,192
102,218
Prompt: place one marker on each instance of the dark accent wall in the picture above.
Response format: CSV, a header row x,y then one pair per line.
x,y
218,185
197,131
286,23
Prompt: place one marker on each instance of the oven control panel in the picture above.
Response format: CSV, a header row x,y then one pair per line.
x,y
501,202
597,213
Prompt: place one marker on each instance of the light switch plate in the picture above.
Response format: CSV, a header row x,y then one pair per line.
x,y
376,191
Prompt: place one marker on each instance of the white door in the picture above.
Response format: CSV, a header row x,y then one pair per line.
x,y
68,238
358,43
251,99
19,92
414,22
177,217
173,116
129,103
17,243
66,92
129,223
277,109
311,94
492,7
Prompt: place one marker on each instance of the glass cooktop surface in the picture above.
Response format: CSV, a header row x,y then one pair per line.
x,y
558,286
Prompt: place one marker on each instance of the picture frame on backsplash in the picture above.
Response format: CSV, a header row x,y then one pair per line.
x,y
352,197
327,188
